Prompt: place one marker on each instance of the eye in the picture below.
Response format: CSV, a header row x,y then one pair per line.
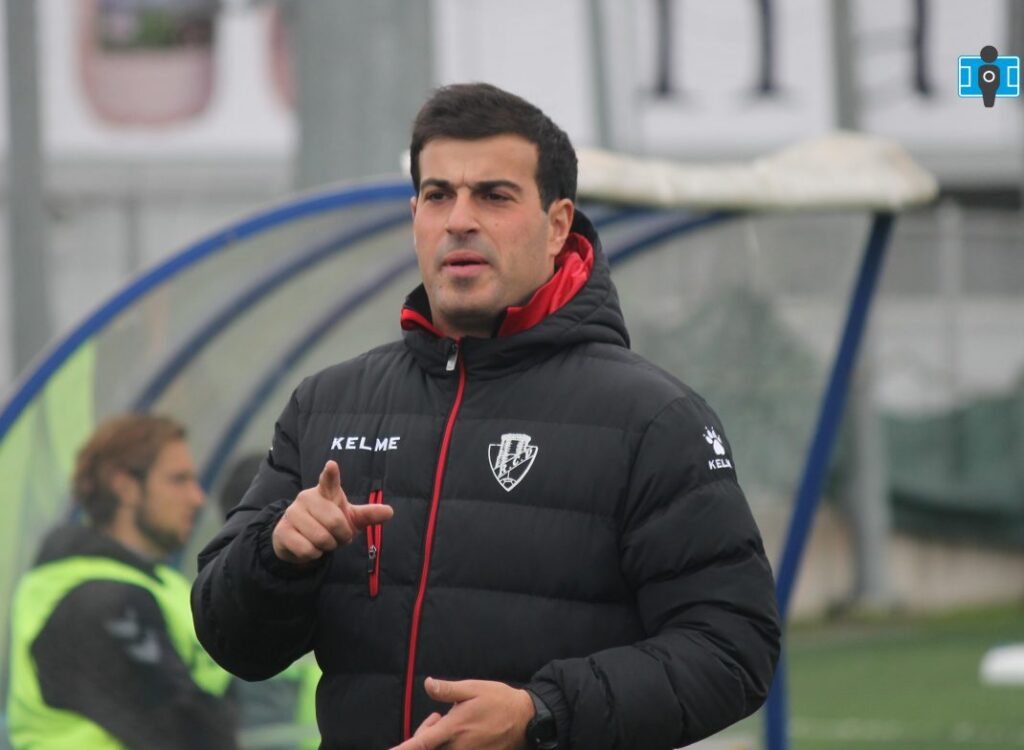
x,y
433,195
498,197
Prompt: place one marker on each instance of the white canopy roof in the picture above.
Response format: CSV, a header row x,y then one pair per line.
x,y
842,170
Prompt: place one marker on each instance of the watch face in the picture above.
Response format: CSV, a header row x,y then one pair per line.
x,y
542,734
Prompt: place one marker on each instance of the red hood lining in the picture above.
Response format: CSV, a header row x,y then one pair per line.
x,y
572,269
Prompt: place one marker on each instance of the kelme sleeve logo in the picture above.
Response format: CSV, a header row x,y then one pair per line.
x,y
712,438
511,459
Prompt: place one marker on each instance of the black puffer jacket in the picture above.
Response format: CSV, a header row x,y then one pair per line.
x,y
567,518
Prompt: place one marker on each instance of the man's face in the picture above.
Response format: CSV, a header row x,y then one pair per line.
x,y
483,241
170,500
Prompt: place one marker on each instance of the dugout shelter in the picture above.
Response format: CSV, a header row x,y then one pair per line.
x,y
750,281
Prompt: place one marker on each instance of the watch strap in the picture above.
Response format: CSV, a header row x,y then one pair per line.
x,y
541,731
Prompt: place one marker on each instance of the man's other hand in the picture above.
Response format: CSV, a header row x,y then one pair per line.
x,y
484,716
322,519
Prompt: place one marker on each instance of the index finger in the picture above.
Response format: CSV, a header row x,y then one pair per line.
x,y
330,481
429,738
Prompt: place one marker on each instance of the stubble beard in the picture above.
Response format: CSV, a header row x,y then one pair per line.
x,y
464,316
472,322
166,540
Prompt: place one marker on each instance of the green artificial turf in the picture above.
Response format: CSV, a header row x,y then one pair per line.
x,y
903,683
897,683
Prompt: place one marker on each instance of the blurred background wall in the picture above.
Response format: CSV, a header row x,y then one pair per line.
x,y
149,136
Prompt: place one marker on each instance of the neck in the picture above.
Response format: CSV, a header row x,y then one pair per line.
x,y
458,330
125,532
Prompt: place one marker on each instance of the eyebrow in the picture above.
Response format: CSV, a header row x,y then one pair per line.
x,y
477,187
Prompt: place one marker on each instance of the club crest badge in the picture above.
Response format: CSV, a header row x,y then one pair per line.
x,y
511,459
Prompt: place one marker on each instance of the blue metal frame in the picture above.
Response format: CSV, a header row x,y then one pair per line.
x,y
688,224
161,274
808,495
249,296
225,445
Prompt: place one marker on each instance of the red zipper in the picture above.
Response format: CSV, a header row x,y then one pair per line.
x,y
374,538
454,359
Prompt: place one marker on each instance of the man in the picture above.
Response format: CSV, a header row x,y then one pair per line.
x,y
103,651
508,530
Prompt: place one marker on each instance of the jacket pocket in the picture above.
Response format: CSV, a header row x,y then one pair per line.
x,y
374,538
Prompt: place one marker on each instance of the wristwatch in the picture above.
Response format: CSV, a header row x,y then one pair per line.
x,y
541,732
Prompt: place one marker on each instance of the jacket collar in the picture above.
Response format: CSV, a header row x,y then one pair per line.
x,y
73,540
579,303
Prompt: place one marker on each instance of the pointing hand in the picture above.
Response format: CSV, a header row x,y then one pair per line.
x,y
321,519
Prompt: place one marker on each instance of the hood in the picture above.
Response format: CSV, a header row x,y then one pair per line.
x,y
579,304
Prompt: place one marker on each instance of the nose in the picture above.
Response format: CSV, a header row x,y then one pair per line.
x,y
462,216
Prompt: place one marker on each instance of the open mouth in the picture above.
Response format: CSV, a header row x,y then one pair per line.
x,y
464,262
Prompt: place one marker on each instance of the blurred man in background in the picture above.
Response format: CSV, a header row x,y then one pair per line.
x,y
104,654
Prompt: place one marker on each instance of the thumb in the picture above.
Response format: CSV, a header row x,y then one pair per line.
x,y
330,481
444,691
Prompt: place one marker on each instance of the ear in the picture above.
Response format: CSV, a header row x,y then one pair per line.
x,y
126,487
412,206
560,215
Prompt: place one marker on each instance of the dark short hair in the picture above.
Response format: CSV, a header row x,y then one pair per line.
x,y
471,111
128,443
